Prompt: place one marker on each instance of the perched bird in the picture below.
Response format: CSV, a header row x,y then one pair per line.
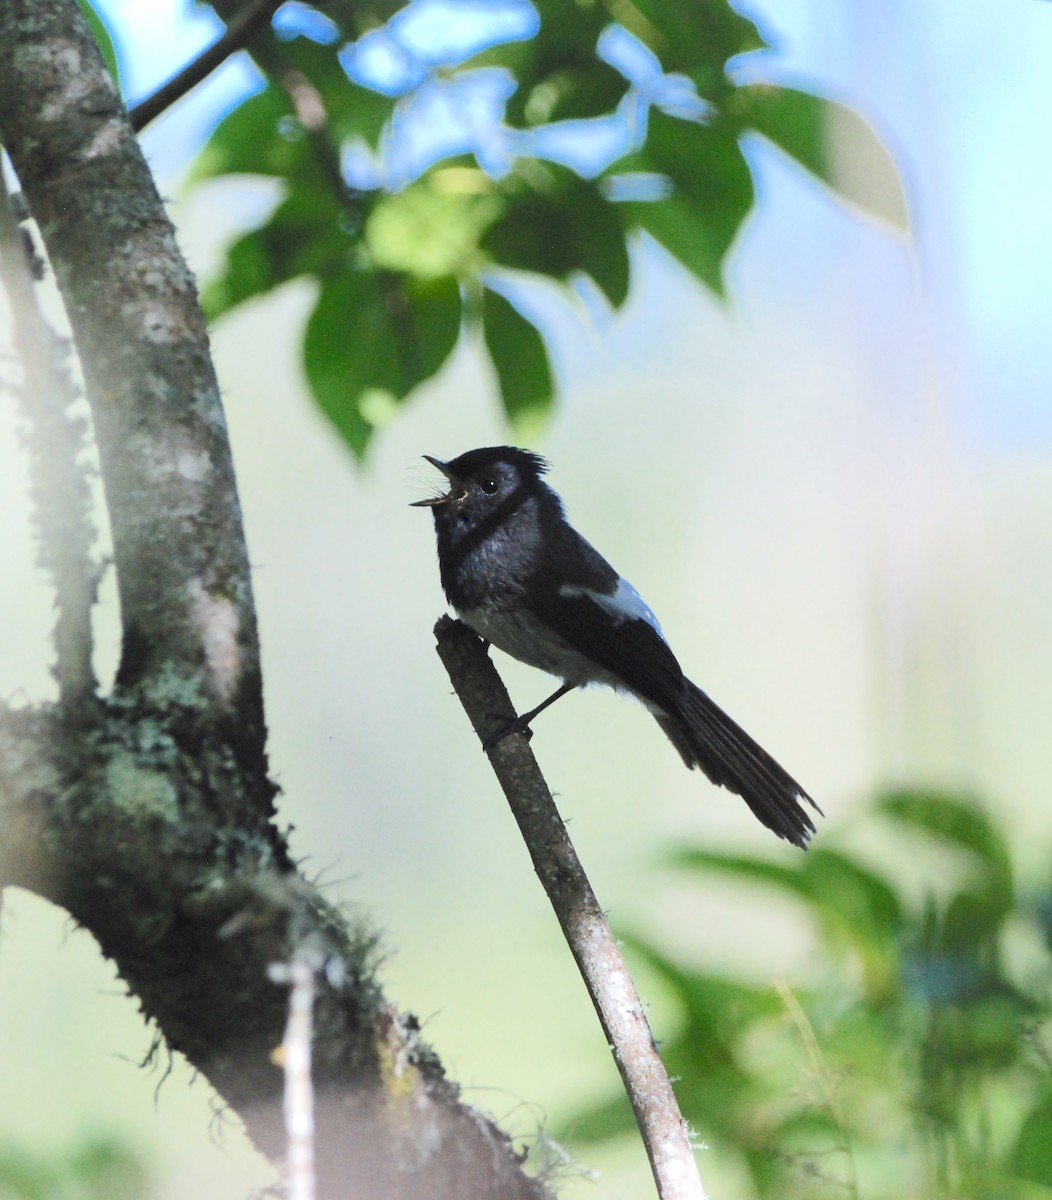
x,y
523,579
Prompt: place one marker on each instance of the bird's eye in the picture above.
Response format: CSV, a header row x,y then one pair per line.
x,y
489,484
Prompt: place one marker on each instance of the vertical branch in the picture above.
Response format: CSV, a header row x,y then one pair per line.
x,y
825,1081
296,1054
188,618
583,922
55,441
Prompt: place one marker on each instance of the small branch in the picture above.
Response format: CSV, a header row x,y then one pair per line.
x,y
242,25
55,442
299,974
583,922
824,1078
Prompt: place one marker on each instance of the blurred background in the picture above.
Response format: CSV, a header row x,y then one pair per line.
x,y
834,491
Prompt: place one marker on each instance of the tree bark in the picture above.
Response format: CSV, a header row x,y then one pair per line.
x,y
148,813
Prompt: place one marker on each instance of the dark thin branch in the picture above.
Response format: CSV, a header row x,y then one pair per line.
x,y
55,442
583,922
242,25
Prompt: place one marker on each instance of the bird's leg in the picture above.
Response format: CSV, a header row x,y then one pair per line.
x,y
522,724
526,718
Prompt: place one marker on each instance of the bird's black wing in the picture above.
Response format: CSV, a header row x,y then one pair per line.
x,y
633,651
602,616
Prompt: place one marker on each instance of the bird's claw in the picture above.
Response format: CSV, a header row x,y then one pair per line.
x,y
516,725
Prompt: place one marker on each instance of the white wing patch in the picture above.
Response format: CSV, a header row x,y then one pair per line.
x,y
623,604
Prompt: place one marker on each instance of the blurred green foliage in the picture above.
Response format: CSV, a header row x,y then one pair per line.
x,y
402,266
96,1169
916,1060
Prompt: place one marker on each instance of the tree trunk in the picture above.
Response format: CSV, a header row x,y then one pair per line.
x,y
148,813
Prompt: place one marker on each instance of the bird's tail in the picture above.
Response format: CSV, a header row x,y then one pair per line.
x,y
706,737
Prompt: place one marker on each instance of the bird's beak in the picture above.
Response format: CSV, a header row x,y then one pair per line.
x,y
456,488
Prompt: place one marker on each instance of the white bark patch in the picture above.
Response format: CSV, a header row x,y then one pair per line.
x,y
193,467
106,141
218,624
160,324
64,61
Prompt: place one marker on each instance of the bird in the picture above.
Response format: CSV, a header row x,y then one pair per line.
x,y
517,573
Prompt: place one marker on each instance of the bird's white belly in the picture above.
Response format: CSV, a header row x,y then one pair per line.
x,y
524,637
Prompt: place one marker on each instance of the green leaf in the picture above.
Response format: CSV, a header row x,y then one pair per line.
x,y
520,359
575,92
837,885
303,236
348,353
696,38
751,870
974,915
860,910
105,1167
958,822
368,114
557,71
560,225
1031,1157
851,893
101,33
854,905
264,136
712,193
350,110
27,1177
261,136
433,227
436,311
830,141
722,1007
371,339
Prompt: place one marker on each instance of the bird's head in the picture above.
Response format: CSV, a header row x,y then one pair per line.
x,y
485,486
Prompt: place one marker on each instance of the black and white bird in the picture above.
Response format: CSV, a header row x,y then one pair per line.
x,y
523,579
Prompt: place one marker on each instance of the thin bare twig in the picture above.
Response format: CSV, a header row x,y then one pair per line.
x,y
583,922
243,24
299,974
823,1077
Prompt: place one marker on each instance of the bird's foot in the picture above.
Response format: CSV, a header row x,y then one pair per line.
x,y
516,725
